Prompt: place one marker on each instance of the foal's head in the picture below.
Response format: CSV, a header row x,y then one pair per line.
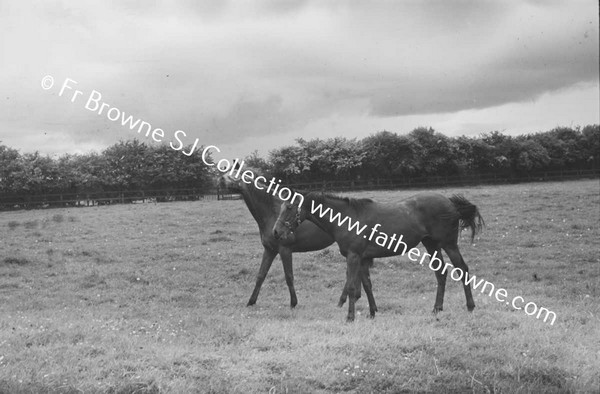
x,y
290,217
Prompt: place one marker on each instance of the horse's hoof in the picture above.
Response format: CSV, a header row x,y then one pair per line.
x,y
371,315
350,320
470,308
341,303
251,302
437,309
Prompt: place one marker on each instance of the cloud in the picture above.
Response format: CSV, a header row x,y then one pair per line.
x,y
241,70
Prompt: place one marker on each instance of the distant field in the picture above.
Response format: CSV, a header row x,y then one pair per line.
x,y
150,298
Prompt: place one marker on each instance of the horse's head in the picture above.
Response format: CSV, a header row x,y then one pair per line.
x,y
290,217
233,183
228,181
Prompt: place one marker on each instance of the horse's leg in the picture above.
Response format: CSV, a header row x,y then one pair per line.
x,y
267,260
344,295
288,270
353,262
440,274
459,262
366,283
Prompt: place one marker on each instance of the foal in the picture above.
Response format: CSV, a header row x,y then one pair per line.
x,y
427,218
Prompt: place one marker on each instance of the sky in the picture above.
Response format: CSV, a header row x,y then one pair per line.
x,y
256,75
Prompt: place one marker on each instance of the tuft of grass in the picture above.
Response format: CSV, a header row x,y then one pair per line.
x,y
16,261
530,244
13,224
242,274
548,377
92,280
325,253
58,218
31,224
149,387
222,238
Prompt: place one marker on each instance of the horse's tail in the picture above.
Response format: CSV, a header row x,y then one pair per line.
x,y
468,215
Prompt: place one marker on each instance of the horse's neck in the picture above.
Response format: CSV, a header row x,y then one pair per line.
x,y
259,203
333,207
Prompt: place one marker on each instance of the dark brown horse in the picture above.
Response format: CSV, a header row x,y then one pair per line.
x,y
362,227
264,207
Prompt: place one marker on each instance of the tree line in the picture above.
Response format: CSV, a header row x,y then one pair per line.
x,y
125,166
424,152
134,165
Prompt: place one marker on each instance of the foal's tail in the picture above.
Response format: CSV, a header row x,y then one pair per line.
x,y
468,215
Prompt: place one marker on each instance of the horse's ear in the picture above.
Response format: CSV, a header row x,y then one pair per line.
x,y
236,166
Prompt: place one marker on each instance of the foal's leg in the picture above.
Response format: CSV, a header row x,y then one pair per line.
x,y
433,247
458,262
353,262
288,270
366,282
344,295
267,260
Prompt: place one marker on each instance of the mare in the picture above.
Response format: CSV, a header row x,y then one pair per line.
x,y
264,208
428,218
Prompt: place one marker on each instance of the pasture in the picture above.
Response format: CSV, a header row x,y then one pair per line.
x,y
150,298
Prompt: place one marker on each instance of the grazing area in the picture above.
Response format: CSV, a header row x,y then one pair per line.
x,y
151,298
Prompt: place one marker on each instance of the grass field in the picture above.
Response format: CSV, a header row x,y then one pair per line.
x,y
151,298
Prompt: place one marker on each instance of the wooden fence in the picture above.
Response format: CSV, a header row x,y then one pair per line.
x,y
88,199
443,181
11,201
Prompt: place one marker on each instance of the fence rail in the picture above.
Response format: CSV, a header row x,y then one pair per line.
x,y
12,201
87,199
441,181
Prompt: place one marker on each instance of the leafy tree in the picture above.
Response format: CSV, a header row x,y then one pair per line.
x,y
289,163
9,167
590,146
333,158
387,154
531,155
254,160
433,152
502,151
35,174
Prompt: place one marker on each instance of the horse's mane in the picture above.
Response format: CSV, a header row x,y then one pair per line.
x,y
354,203
260,195
264,197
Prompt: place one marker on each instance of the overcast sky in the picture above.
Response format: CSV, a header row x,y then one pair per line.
x,y
246,75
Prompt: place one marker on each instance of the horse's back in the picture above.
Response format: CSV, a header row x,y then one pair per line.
x,y
423,214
